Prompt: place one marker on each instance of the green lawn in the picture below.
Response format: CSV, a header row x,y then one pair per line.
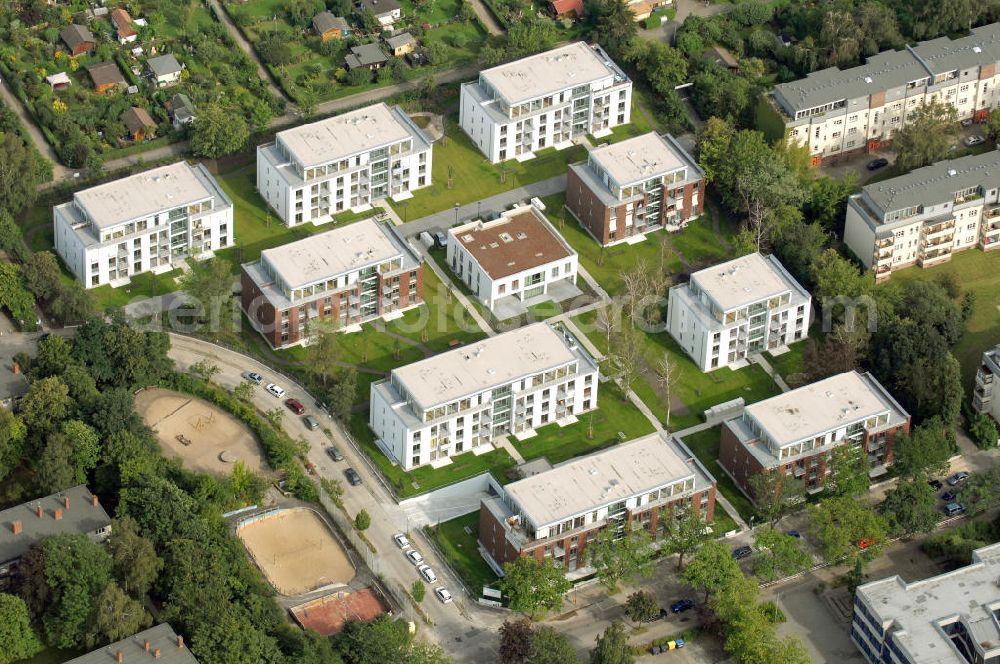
x,y
698,244
614,414
975,271
140,287
474,178
637,126
705,446
790,363
462,550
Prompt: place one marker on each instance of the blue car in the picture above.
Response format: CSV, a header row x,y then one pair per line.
x,y
680,606
948,496
793,533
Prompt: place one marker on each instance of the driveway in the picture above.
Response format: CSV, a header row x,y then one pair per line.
x,y
665,33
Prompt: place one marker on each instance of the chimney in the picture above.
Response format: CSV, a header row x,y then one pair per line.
x,y
16,527
180,641
145,645
119,656
38,511
156,654
93,501
57,515
66,502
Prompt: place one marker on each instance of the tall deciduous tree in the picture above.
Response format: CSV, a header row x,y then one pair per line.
x,y
778,554
612,647
76,570
924,451
774,494
927,136
22,171
911,507
549,646
534,587
515,641
840,523
617,558
41,274
46,405
712,569
614,26
684,534
116,616
18,639
13,434
323,352
849,468
218,132
134,558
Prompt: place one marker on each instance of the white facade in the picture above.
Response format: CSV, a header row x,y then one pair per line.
x,y
461,400
987,378
148,222
544,100
349,161
737,309
518,255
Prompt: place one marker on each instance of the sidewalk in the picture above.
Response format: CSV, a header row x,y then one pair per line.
x,y
480,321
766,366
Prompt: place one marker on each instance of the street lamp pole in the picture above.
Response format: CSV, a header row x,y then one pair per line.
x,y
456,214
479,209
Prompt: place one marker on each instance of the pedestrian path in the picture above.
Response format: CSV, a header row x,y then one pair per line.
x,y
766,366
480,321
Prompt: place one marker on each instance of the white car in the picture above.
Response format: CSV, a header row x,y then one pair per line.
x,y
427,573
276,390
253,377
974,140
443,594
415,557
401,541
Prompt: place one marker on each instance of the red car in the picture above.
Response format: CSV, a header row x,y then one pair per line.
x,y
865,542
295,406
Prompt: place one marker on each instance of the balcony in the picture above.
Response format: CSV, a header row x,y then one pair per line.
x,y
885,242
938,240
935,256
937,230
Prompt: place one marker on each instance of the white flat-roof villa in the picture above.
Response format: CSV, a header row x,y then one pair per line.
x,y
545,100
147,222
461,400
736,309
312,172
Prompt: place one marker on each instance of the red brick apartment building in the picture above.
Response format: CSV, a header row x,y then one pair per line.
x,y
346,276
635,186
794,433
554,513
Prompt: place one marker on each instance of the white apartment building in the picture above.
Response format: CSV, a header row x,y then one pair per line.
x,y
925,216
986,380
312,172
735,309
545,100
148,222
461,400
836,112
951,618
520,256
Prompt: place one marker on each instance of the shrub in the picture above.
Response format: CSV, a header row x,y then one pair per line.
x,y
418,590
363,520
983,431
641,606
772,612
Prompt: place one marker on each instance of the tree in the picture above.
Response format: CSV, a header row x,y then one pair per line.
x,y
712,569
981,491
210,284
515,641
849,468
46,405
612,647
774,494
274,49
993,124
342,394
76,570
418,590
73,303
778,554
839,523
923,451
751,13
205,369
684,533
798,246
628,556
41,275
323,352
85,447
927,136
667,373
534,587
983,431
54,354
18,639
244,391
614,26
641,606
22,172
362,520
380,641
218,132
910,508
713,147
134,560
116,616
13,434
626,357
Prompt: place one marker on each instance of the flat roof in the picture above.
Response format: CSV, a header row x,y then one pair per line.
x,y
912,611
80,518
142,194
485,364
521,239
344,135
819,407
638,158
586,483
936,183
329,254
544,73
133,649
743,280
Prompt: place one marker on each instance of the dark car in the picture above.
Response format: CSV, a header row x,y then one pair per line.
x,y
742,552
935,484
954,509
682,605
949,496
310,422
335,454
295,406
876,164
352,477
793,533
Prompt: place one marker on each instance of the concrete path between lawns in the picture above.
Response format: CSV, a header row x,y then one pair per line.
x,y
480,321
769,370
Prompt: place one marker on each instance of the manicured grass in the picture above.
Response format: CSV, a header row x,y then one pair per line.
x,y
697,390
722,523
475,178
976,272
790,363
140,287
698,244
705,445
462,550
637,126
614,414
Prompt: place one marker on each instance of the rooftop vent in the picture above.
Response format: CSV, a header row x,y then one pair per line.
x,y
506,237
976,49
868,79
952,172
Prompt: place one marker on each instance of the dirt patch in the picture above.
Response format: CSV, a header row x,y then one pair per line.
x,y
204,437
328,614
296,550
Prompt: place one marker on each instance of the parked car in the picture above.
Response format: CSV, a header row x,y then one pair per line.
x,y
253,377
876,164
742,552
414,557
334,453
682,605
275,390
949,496
967,122
954,509
401,541
865,542
352,477
310,422
443,594
427,573
935,484
973,140
440,239
793,533
958,478
295,406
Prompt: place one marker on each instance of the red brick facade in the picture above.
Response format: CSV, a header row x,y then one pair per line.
x,y
595,216
493,538
270,321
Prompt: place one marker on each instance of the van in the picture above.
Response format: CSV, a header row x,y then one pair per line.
x,y
954,509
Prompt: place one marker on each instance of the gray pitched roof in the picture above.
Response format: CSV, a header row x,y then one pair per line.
x,y
74,35
936,183
380,7
325,21
163,65
365,55
402,39
81,517
161,638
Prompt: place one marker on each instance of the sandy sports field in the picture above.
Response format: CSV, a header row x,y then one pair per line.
x,y
296,550
203,437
